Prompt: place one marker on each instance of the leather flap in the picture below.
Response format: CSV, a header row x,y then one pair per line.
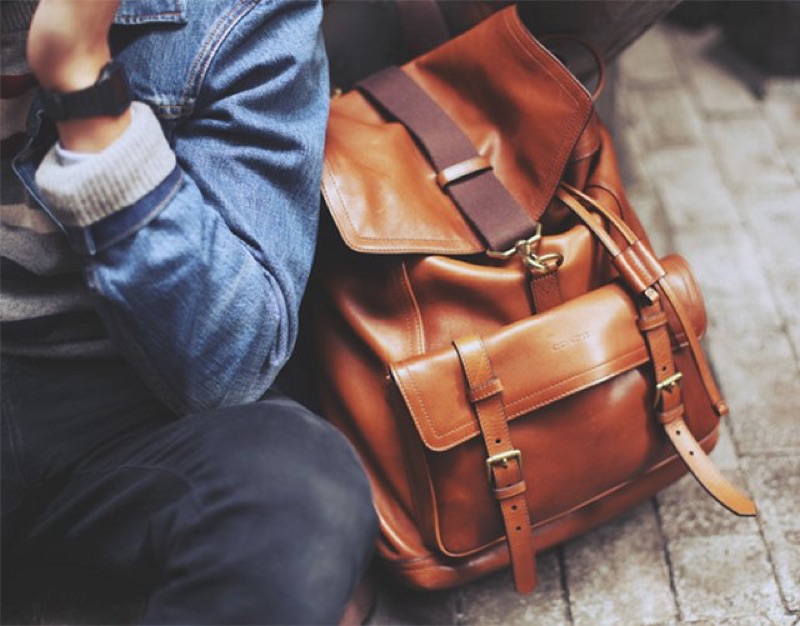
x,y
538,360
517,104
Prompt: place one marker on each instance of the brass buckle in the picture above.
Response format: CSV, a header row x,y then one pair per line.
x,y
668,384
503,458
526,249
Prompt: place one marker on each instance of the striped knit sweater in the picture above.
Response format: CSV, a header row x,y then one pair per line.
x,y
45,307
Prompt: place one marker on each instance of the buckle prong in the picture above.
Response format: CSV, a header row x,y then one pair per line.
x,y
502,459
666,385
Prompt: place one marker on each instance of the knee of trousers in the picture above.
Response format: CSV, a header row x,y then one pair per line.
x,y
279,508
278,466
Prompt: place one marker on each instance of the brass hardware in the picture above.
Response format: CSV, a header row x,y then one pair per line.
x,y
668,384
523,247
526,249
503,458
544,263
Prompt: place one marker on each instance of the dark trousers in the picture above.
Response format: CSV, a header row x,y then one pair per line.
x,y
247,515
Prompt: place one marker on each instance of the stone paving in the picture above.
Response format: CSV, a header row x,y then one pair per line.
x,y
715,174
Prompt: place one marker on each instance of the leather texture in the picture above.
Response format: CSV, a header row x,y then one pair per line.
x,y
500,405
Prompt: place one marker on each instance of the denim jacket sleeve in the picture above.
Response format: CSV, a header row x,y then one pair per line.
x,y
199,276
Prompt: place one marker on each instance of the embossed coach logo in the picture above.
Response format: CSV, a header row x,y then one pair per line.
x,y
571,341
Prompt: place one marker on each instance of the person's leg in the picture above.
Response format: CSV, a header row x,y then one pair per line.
x,y
277,525
254,514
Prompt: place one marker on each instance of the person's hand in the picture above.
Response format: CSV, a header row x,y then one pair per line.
x,y
68,42
67,47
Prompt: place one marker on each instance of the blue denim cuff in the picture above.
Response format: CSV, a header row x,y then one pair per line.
x,y
98,236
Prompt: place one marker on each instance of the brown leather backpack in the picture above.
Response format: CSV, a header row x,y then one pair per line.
x,y
491,328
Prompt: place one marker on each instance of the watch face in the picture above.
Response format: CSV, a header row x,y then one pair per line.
x,y
109,96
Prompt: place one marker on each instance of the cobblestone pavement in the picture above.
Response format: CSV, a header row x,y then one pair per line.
x,y
715,174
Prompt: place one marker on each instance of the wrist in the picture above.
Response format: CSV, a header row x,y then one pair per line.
x,y
74,72
92,134
89,119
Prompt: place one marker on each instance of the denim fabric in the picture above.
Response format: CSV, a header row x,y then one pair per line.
x,y
259,513
199,282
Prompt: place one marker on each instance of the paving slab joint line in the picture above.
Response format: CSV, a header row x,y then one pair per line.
x,y
646,85
772,566
562,574
729,423
660,213
772,287
785,329
705,132
668,559
731,115
460,618
744,217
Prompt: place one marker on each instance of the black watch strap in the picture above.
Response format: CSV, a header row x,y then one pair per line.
x,y
109,96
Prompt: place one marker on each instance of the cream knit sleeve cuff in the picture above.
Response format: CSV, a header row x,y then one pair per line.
x,y
82,192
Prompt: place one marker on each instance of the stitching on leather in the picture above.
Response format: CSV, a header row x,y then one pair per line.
x,y
484,362
353,235
574,391
573,122
484,391
512,414
421,403
414,316
423,563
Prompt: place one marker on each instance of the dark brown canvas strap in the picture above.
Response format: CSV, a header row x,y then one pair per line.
x,y
463,174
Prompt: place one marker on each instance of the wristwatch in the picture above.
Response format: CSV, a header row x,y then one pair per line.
x,y
109,96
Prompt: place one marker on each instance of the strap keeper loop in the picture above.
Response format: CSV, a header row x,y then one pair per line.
x,y
667,417
486,390
652,321
462,169
504,493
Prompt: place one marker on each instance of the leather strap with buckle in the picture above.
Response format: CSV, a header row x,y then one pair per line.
x,y
504,462
670,411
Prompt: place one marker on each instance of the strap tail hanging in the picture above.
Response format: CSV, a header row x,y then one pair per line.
x,y
706,473
670,411
644,274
